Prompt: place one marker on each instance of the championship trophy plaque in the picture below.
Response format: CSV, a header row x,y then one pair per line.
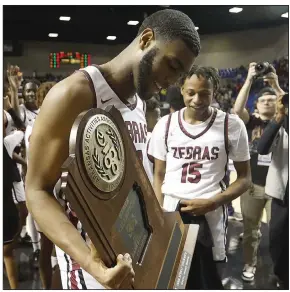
x,y
107,187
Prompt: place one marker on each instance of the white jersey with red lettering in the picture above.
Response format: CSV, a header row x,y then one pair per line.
x,y
72,275
196,158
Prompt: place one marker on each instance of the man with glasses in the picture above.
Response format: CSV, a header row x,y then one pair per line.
x,y
255,200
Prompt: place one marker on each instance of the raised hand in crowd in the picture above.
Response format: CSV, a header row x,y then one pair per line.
x,y
252,72
14,77
272,79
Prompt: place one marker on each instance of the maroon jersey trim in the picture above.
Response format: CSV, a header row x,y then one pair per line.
x,y
167,131
150,157
226,131
128,105
200,134
92,87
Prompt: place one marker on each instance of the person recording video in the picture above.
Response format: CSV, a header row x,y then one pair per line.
x,y
255,200
275,140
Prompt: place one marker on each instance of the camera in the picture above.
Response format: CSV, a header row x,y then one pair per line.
x,y
285,99
263,69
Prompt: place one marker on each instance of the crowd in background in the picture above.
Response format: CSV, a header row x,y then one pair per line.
x,y
231,84
232,79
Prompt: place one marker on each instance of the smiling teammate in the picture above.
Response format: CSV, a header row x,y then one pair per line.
x,y
191,149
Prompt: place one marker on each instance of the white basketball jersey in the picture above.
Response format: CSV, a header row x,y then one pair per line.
x,y
133,113
28,116
10,128
72,275
196,158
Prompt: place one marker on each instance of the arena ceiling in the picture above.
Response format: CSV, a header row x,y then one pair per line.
x,y
92,24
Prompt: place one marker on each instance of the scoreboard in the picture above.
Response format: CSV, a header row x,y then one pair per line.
x,y
57,59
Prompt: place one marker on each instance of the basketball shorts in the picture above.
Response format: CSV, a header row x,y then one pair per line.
x,y
72,275
218,224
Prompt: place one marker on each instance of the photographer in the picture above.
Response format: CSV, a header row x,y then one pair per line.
x,y
275,140
255,200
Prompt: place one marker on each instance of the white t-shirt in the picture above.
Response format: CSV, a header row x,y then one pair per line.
x,y
196,155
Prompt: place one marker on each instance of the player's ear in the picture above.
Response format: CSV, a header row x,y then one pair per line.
x,y
181,90
146,38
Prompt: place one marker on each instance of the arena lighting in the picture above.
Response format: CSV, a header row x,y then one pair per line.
x,y
285,15
111,37
236,10
132,22
64,18
197,28
53,35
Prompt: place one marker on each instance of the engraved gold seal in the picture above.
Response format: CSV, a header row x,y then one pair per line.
x,y
103,153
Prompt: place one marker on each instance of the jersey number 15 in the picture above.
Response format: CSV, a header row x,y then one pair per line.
x,y
188,171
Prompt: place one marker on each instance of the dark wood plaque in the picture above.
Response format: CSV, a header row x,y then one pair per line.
x,y
107,187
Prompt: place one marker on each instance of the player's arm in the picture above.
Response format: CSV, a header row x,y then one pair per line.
x,y
270,136
239,153
49,148
237,188
242,98
158,150
14,82
159,174
18,159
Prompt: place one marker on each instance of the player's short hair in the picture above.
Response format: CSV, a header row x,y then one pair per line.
x,y
208,73
152,104
266,90
171,25
36,82
174,97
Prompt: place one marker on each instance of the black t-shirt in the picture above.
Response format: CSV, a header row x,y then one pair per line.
x,y
255,128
